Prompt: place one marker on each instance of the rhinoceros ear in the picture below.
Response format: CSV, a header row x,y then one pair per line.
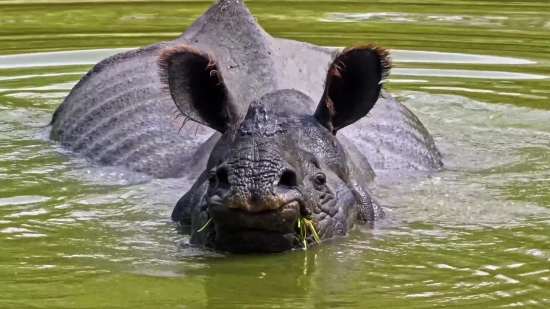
x,y
196,85
352,86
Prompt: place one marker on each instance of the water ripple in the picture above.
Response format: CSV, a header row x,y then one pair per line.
x,y
473,235
22,200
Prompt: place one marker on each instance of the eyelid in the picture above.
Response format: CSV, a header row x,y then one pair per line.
x,y
316,163
320,177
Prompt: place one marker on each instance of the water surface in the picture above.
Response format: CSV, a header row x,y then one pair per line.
x,y
475,235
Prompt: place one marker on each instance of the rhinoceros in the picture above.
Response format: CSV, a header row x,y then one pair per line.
x,y
273,131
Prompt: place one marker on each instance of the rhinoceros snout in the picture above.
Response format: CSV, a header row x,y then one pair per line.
x,y
255,188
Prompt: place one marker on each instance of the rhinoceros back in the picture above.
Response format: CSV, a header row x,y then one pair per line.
x,y
118,114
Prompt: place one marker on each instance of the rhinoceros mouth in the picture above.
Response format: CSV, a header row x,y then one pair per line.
x,y
238,231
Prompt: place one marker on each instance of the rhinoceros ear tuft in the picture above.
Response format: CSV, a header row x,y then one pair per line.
x,y
353,85
196,85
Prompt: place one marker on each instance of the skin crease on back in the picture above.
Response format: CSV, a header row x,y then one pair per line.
x,y
122,114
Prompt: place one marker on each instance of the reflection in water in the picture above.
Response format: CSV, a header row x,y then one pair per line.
x,y
63,58
469,20
91,57
63,86
485,20
19,77
406,81
461,89
466,74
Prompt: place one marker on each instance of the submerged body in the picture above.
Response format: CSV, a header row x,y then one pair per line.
x,y
266,134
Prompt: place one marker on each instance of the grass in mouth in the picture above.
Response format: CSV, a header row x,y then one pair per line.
x,y
305,223
205,225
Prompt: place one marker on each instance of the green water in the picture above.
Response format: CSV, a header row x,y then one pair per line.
x,y
476,235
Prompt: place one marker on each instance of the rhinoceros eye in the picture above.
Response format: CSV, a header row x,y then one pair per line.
x,y
320,180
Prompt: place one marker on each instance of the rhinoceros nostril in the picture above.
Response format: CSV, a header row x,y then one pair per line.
x,y
288,179
222,176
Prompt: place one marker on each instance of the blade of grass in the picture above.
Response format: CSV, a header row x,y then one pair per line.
x,y
205,225
314,232
303,224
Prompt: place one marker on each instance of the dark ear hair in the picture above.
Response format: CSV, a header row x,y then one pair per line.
x,y
197,87
352,86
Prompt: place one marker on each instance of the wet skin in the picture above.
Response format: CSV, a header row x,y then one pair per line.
x,y
269,133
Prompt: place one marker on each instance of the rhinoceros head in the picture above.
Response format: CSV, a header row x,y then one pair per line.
x,y
278,173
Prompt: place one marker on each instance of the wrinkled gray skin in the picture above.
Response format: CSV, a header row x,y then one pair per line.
x,y
119,114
